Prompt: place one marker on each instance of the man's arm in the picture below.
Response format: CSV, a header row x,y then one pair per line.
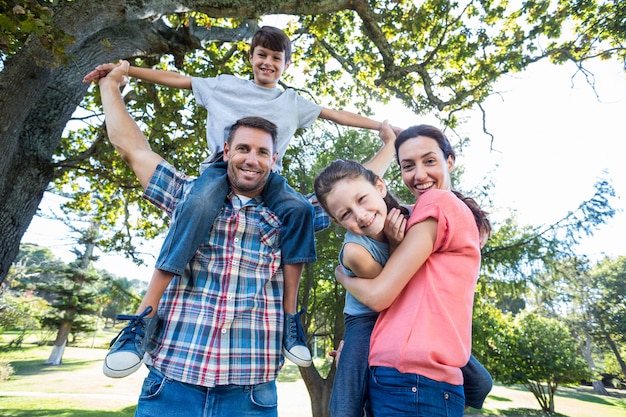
x,y
123,132
166,78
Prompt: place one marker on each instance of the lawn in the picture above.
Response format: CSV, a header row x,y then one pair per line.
x,y
78,388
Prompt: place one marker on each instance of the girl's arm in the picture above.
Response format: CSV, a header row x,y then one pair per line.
x,y
358,260
378,293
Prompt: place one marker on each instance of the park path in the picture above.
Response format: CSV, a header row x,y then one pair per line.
x,y
293,397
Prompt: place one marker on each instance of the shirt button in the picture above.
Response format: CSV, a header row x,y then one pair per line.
x,y
223,331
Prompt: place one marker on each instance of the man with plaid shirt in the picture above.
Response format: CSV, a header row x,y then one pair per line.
x,y
219,347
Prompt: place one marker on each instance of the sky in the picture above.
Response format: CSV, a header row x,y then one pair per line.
x,y
553,138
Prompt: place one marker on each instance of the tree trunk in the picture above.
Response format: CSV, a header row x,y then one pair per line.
x,y
615,351
598,386
56,357
319,390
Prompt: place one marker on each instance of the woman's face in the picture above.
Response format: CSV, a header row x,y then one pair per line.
x,y
358,206
423,165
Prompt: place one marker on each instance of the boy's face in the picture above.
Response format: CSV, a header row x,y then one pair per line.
x,y
267,66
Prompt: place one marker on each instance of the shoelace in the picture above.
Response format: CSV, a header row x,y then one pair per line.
x,y
134,328
293,327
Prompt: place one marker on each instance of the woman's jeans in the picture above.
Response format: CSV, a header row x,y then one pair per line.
x,y
193,219
394,394
163,397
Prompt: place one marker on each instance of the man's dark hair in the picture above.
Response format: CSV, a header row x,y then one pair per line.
x,y
254,122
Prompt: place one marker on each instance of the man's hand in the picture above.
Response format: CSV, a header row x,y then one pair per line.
x,y
102,71
118,75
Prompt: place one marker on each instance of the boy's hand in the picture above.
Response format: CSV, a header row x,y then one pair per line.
x,y
386,133
118,74
397,130
101,71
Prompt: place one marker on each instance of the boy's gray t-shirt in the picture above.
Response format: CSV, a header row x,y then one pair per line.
x,y
228,98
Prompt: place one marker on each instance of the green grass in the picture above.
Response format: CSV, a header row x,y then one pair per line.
x,y
78,388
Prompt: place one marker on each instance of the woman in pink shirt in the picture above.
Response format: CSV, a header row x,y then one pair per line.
x,y
425,292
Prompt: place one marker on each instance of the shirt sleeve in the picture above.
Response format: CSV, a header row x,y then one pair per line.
x,y
167,187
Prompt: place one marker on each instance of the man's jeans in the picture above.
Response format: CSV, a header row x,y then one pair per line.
x,y
394,394
164,397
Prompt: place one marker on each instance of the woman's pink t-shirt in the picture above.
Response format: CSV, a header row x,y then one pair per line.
x,y
428,328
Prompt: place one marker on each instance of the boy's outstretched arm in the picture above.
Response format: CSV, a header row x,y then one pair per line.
x,y
167,78
346,118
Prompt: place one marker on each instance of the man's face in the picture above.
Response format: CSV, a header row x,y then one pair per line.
x,y
250,158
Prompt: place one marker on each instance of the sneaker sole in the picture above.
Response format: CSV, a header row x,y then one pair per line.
x,y
298,361
119,373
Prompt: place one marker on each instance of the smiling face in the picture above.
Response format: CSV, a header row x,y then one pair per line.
x,y
358,206
268,66
251,157
424,166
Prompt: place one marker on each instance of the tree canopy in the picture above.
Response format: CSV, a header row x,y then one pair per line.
x,y
436,56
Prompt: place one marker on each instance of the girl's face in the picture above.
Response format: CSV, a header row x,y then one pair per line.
x,y
358,206
423,165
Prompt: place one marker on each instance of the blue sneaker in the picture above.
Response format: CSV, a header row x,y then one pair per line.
x,y
294,341
127,349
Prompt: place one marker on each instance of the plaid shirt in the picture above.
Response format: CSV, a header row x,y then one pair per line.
x,y
223,318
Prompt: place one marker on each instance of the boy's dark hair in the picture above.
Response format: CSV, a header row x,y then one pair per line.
x,y
273,39
254,122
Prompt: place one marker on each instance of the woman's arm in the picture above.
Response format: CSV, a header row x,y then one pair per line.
x,y
378,293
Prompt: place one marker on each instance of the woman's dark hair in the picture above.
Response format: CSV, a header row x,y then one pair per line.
x,y
482,221
345,169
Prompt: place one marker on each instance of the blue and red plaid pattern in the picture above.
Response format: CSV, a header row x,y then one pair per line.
x,y
222,320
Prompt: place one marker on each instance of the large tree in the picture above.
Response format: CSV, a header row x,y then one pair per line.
x,y
435,55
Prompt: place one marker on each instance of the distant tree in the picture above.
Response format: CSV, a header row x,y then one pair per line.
x,y
74,297
542,355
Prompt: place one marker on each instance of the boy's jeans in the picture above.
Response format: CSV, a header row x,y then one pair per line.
x,y
162,396
194,217
394,394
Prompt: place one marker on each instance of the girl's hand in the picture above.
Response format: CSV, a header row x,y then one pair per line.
x,y
395,226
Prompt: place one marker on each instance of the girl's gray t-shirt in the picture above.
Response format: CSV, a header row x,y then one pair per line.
x,y
228,98
380,253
